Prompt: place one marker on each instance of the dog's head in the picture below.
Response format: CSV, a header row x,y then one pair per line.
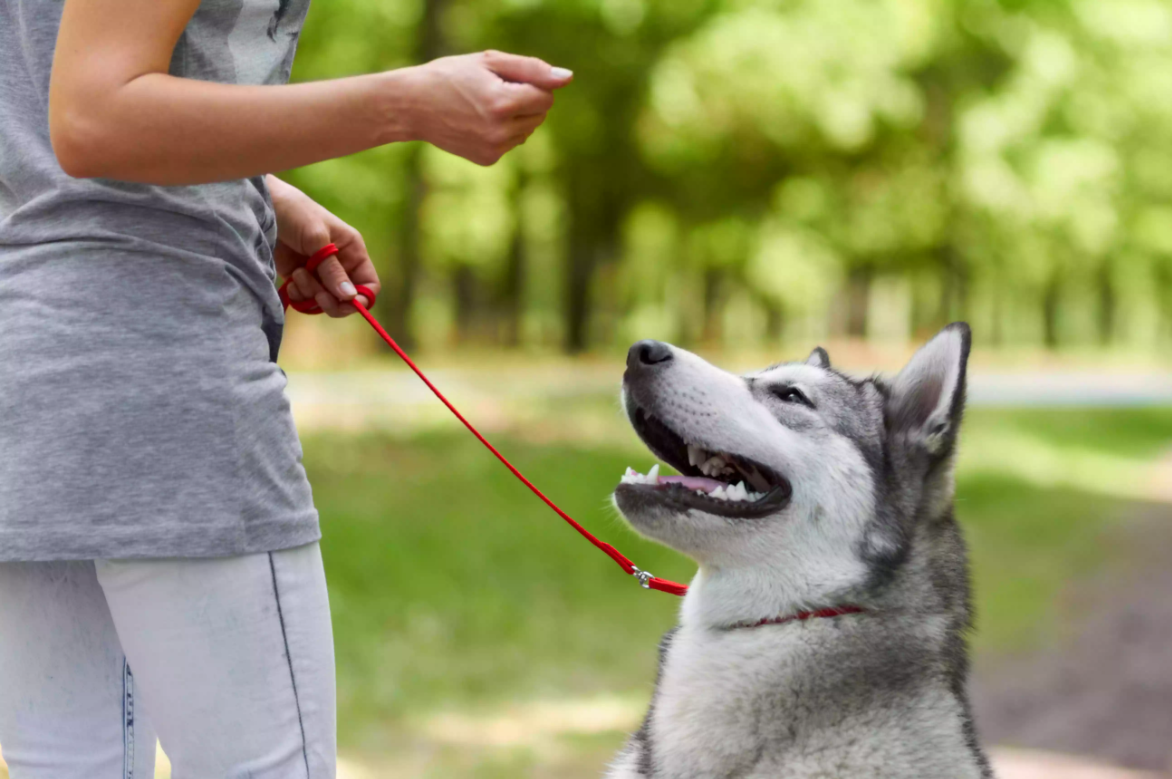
x,y
797,478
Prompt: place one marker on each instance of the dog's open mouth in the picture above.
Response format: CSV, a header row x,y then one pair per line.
x,y
716,482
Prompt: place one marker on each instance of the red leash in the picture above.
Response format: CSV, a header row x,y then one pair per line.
x,y
310,307
802,616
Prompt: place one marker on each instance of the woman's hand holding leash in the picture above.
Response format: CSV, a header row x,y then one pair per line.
x,y
303,228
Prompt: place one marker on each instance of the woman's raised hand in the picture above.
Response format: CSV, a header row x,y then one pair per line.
x,y
116,112
479,106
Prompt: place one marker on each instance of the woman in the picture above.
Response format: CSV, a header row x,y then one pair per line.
x,y
159,566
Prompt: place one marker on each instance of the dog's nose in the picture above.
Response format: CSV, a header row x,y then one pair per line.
x,y
647,353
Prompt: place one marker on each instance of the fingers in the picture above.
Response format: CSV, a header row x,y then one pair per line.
x,y
527,70
510,134
337,285
337,276
356,260
302,286
481,97
315,233
524,100
525,125
309,288
335,279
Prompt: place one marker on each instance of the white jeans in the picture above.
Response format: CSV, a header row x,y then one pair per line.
x,y
230,661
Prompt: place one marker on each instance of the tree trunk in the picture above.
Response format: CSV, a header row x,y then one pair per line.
x,y
408,259
774,322
1163,284
954,297
429,45
1107,306
712,308
1050,298
858,300
593,237
581,257
512,297
464,290
996,333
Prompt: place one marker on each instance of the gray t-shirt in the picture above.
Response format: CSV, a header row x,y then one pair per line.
x,y
142,413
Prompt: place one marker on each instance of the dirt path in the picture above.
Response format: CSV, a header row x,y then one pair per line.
x,y
1106,690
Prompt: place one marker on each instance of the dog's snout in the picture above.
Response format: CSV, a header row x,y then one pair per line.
x,y
648,353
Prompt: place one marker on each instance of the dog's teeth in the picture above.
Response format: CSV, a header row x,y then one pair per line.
x,y
695,455
718,493
634,477
713,466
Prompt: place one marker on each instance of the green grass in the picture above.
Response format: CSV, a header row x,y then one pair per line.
x,y
453,588
1025,543
1136,432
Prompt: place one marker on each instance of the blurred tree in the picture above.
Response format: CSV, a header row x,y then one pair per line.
x,y
731,170
611,45
429,45
379,191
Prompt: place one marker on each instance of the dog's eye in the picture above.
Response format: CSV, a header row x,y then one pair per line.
x,y
792,395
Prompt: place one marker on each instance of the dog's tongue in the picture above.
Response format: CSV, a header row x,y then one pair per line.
x,y
693,482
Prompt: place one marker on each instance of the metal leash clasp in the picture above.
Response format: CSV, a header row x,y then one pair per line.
x,y
644,577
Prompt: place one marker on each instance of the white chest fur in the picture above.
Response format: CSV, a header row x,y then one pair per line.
x,y
799,701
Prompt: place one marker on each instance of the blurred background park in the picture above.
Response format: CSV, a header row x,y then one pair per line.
x,y
748,179
745,178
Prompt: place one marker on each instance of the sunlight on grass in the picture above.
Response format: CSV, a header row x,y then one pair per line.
x,y
1108,453
454,590
478,637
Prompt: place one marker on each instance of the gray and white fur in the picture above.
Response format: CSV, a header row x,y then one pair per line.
x,y
851,503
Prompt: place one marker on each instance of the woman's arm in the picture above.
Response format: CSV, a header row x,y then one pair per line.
x,y
114,112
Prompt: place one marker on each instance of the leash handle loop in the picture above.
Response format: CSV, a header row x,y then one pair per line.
x,y
310,306
646,579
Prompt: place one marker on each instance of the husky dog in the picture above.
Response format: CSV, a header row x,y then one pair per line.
x,y
824,633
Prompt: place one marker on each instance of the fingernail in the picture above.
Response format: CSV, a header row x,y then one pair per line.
x,y
348,289
560,73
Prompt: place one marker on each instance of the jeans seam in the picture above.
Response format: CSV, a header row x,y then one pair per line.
x,y
127,721
289,659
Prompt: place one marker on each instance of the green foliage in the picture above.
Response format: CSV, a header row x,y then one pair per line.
x,y
736,170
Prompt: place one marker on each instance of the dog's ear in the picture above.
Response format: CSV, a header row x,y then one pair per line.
x,y
819,358
927,397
